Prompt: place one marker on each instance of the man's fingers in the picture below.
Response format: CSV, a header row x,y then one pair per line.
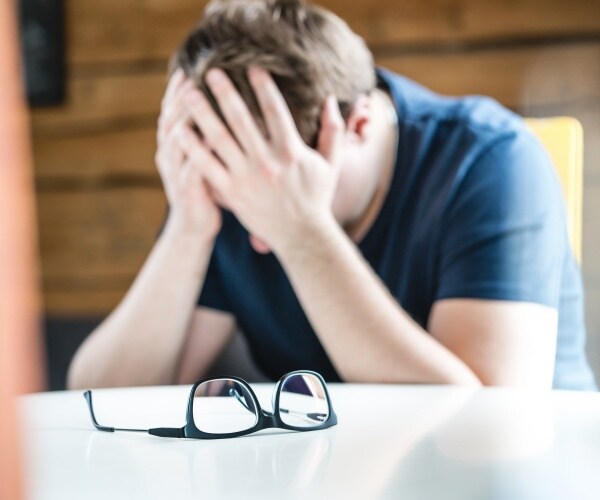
x,y
216,135
237,114
169,157
210,167
332,131
276,113
174,110
174,152
174,82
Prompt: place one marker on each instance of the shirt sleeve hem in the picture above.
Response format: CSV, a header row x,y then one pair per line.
x,y
487,292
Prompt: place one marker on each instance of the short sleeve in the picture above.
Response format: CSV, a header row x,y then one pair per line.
x,y
504,233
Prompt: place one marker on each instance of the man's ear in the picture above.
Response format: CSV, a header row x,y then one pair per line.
x,y
357,123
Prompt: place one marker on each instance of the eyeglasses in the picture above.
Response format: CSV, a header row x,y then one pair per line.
x,y
227,407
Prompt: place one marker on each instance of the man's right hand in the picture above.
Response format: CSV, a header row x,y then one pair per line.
x,y
157,335
192,206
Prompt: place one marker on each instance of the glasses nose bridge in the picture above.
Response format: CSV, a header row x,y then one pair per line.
x,y
269,420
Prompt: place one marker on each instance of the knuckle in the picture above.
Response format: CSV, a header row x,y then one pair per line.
x,y
270,107
288,153
218,136
173,136
236,121
265,163
196,155
166,129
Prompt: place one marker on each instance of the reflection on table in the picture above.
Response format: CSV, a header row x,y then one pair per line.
x,y
391,442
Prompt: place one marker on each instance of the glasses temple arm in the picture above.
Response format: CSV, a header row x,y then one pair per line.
x,y
236,395
88,397
166,432
320,417
312,416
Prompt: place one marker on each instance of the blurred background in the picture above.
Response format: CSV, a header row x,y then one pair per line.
x,y
99,198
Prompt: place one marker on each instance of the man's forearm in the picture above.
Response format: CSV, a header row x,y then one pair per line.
x,y
140,342
366,334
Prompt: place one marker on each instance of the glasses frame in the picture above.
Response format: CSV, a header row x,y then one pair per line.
x,y
265,419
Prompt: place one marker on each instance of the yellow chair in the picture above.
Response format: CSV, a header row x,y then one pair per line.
x,y
563,139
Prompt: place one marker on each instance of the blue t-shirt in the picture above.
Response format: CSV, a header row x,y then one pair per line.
x,y
474,210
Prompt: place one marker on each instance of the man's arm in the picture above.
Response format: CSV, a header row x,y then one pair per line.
x,y
208,334
369,338
367,335
504,342
142,341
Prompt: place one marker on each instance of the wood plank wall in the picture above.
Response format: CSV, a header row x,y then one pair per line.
x,y
100,200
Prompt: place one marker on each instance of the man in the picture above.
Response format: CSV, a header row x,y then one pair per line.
x,y
373,230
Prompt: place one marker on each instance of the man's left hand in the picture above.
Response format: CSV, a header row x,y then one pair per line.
x,y
277,186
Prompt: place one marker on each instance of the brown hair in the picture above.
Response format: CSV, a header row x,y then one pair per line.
x,y
310,52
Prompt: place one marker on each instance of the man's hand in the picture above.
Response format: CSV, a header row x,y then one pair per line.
x,y
191,203
277,186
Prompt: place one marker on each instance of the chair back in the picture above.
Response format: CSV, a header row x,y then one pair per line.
x,y
563,139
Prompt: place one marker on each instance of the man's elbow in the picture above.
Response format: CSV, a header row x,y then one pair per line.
x,y
75,377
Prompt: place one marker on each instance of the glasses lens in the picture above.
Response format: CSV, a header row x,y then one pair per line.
x,y
303,402
224,406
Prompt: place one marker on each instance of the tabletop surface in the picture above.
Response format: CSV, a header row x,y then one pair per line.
x,y
409,442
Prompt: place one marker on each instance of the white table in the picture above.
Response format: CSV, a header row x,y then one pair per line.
x,y
396,442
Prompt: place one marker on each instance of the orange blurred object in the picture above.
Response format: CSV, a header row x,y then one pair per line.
x,y
20,353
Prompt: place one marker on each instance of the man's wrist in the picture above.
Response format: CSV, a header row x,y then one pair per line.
x,y
307,236
178,229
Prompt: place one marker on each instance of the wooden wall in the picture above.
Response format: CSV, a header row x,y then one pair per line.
x,y
100,200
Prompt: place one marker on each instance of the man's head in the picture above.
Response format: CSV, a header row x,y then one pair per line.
x,y
310,52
